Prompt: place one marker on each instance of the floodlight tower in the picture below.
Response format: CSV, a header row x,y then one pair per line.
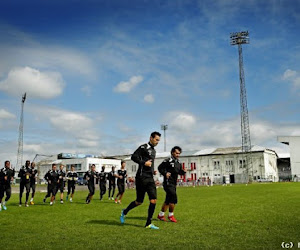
x,y
20,141
164,127
239,38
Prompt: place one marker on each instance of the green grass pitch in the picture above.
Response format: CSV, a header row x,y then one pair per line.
x,y
257,216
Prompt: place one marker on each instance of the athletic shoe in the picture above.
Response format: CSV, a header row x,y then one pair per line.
x,y
151,226
116,201
88,201
162,218
4,207
44,200
26,204
172,219
119,202
51,203
0,208
31,203
67,197
20,204
122,217
61,202
71,200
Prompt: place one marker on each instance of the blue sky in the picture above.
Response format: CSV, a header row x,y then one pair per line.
x,y
101,75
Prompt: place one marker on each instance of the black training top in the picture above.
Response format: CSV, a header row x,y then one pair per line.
x,y
144,153
90,176
122,173
172,166
51,177
72,177
33,175
9,173
102,177
24,174
112,177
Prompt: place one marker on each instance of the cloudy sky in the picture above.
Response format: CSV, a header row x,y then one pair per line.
x,y
100,76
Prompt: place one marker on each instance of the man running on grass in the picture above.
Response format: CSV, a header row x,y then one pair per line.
x,y
144,156
52,178
122,174
102,182
6,177
33,181
90,176
72,178
170,169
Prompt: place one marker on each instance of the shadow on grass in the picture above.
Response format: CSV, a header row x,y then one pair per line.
x,y
112,223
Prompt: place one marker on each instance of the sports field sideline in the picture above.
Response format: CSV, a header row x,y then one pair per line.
x,y
256,216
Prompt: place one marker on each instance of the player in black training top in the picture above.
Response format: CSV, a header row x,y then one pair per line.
x,y
24,175
144,156
90,176
61,182
121,175
33,181
6,177
111,183
170,169
102,182
52,178
72,178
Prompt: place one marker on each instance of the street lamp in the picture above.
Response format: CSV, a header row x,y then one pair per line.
x,y
164,127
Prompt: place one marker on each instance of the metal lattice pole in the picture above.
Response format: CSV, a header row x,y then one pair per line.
x,y
240,38
20,140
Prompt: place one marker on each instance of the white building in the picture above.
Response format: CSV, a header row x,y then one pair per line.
x,y
219,163
82,164
294,143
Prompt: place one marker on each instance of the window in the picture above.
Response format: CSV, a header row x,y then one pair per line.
x,y
77,167
133,167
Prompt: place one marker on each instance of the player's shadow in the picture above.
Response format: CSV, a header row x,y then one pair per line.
x,y
111,223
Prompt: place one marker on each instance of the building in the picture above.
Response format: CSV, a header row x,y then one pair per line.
x,y
81,162
294,143
284,167
220,164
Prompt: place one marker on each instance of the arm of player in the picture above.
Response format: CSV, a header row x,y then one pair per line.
x,y
136,156
181,171
162,168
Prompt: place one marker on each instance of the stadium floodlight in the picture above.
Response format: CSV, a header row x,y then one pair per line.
x,y
164,127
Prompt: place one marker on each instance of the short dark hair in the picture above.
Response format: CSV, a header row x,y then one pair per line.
x,y
122,162
53,164
6,162
176,147
155,133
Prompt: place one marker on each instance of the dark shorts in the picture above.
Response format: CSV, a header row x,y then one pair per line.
x,y
71,188
1,191
145,185
32,186
91,189
24,185
52,189
61,186
171,196
121,188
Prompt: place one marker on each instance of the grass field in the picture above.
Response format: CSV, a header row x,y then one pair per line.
x,y
257,216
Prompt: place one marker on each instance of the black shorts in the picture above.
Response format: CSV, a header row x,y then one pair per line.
x,y
145,185
61,186
32,186
52,189
26,186
121,188
71,188
1,191
171,196
91,189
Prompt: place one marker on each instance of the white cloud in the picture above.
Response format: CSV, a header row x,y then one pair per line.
x,y
293,77
44,85
125,87
288,74
181,121
149,98
6,115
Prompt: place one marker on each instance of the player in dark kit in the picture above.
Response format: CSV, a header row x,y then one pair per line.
x,y
33,180
121,175
102,182
144,156
61,182
111,183
24,175
6,177
52,178
90,176
170,169
72,178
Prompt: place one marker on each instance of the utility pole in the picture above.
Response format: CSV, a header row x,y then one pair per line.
x,y
164,127
239,38
20,141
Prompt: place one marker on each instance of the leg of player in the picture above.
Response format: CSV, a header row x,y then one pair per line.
x,y
151,210
8,195
27,186
161,215
22,185
72,194
32,194
171,213
62,194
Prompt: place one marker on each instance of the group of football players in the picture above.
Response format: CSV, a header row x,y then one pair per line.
x,y
56,180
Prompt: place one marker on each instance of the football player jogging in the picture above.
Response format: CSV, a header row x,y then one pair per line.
x,y
72,178
33,181
102,182
90,176
144,156
61,182
24,174
52,178
6,177
111,183
122,174
170,169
